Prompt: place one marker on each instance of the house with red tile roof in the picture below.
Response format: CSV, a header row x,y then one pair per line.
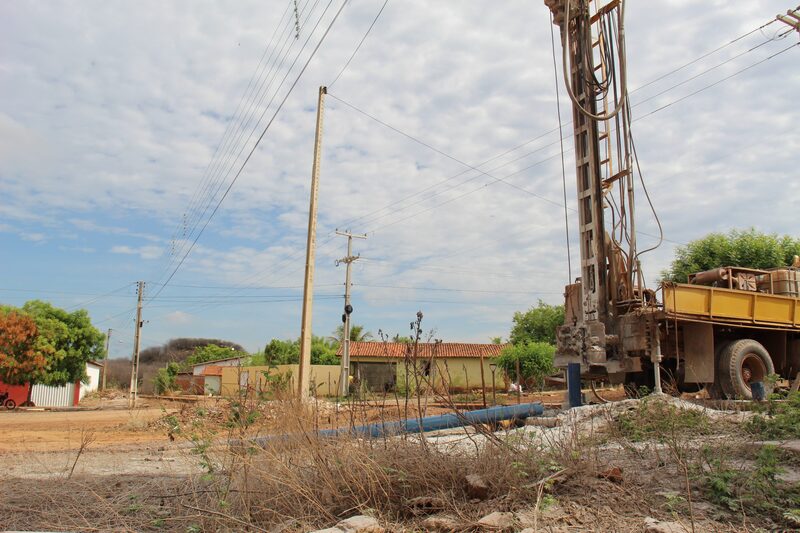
x,y
452,366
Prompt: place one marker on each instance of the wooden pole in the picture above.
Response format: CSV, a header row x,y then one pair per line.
x,y
304,377
134,393
483,384
105,359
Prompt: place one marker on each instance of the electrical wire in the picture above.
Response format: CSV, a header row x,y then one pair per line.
x,y
216,179
561,142
358,47
258,141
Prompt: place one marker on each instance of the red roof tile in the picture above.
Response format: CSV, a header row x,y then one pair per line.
x,y
426,350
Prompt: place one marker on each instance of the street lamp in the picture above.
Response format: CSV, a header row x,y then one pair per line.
x,y
493,367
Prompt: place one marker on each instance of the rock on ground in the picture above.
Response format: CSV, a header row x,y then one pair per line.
x,y
360,524
497,521
445,524
651,525
355,524
477,487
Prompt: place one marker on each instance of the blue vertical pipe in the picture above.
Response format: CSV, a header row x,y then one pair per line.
x,y
574,384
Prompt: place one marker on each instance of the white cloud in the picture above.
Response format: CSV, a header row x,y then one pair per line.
x,y
145,252
33,237
178,317
111,117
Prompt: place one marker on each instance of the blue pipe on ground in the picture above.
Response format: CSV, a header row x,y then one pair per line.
x,y
433,423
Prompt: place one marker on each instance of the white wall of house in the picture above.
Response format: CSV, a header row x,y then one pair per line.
x,y
94,372
64,396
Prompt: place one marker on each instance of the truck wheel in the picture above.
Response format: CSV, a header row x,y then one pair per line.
x,y
743,362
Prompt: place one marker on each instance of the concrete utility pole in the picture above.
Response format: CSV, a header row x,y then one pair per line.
x,y
105,361
349,259
304,377
135,358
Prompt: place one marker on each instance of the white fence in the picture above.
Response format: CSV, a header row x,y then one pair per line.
x,y
46,396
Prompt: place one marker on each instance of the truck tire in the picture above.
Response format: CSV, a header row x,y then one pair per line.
x,y
741,363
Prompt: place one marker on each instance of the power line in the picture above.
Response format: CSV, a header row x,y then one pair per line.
x,y
726,78
698,59
278,267
451,289
258,141
224,138
215,179
358,47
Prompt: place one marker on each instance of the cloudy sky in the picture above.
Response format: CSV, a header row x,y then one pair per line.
x,y
122,124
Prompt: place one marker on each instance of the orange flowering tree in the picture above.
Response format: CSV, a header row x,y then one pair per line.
x,y
20,361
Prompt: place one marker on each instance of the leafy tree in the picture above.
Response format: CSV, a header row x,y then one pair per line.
x,y
323,351
750,249
537,324
20,362
212,352
66,340
535,361
357,334
165,379
279,352
497,340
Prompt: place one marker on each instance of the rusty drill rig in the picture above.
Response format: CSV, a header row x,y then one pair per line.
x,y
714,331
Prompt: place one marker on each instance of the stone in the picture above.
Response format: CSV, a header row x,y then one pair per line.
x,y
651,525
360,524
613,474
477,488
445,524
541,421
497,521
423,505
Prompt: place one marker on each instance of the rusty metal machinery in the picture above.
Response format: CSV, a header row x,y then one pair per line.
x,y
611,316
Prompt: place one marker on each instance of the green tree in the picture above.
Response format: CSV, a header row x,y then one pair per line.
x,y
497,340
357,334
20,362
165,379
749,249
537,324
323,351
535,361
212,352
278,352
67,341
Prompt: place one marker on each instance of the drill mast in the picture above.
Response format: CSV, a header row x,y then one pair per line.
x,y
611,284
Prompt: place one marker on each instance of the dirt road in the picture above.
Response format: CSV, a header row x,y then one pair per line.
x,y
36,431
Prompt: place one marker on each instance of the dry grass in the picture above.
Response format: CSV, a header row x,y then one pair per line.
x,y
297,481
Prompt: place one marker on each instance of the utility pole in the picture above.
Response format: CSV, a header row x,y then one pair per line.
x,y
105,362
304,377
348,260
792,20
135,358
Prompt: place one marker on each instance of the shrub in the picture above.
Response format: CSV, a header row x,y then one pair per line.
x,y
535,361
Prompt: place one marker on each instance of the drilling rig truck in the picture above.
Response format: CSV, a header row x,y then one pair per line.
x,y
727,328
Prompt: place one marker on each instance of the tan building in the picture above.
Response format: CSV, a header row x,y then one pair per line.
x,y
453,366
